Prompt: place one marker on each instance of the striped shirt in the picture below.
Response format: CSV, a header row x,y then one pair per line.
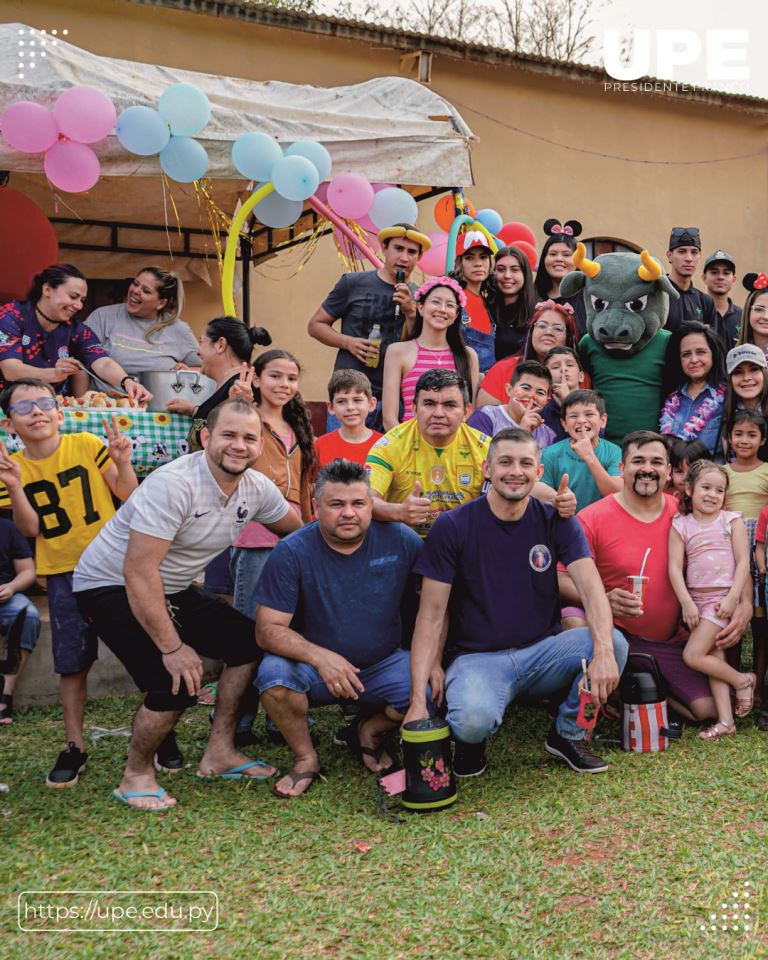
x,y
426,359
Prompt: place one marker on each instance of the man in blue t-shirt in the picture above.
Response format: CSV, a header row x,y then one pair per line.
x,y
328,618
492,565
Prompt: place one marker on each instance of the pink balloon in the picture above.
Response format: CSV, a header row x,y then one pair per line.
x,y
322,192
71,166
350,195
84,114
29,127
433,261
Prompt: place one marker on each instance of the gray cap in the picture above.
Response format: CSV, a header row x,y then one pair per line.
x,y
719,256
744,353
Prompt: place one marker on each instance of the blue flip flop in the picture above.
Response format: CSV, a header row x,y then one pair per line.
x,y
237,773
130,795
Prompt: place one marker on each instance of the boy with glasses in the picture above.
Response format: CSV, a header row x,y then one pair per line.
x,y
60,489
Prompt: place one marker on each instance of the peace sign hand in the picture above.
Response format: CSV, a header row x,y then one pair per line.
x,y
120,447
242,388
10,471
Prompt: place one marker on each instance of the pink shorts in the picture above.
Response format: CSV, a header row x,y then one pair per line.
x,y
706,601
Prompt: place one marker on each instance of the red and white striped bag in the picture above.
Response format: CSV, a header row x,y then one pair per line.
x,y
644,727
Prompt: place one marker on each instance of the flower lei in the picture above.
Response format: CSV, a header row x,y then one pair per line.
x,y
694,426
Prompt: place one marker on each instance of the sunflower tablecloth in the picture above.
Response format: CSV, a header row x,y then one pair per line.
x,y
157,438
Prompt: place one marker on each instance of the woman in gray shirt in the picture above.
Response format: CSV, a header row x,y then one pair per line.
x,y
145,334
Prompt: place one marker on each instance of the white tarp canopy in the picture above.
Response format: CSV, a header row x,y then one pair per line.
x,y
389,129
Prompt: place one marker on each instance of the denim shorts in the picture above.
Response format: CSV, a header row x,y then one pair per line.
x,y
387,683
20,622
73,640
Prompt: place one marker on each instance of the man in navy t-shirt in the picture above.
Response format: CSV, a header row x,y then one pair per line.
x,y
492,564
329,620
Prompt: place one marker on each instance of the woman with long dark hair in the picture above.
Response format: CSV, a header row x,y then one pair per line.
x,y
436,341
511,300
694,386
556,262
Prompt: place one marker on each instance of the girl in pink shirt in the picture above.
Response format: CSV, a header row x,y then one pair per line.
x,y
712,545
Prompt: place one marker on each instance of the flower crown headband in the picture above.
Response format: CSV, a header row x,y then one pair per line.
x,y
449,282
543,305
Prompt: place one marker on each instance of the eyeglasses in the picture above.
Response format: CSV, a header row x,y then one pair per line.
x,y
449,305
543,327
685,231
27,406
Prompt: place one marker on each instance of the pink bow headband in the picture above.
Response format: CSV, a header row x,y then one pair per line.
x,y
449,282
551,305
557,228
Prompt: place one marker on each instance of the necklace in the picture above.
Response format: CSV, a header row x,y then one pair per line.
x,y
697,421
439,354
54,322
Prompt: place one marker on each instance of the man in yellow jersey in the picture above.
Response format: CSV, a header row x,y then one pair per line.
x,y
433,463
60,489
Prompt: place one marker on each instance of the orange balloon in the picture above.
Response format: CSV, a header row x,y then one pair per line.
x,y
445,213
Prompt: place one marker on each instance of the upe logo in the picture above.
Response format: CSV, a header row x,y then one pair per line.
x,y
723,51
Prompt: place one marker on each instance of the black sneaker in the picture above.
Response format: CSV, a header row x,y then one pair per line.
x,y
762,721
576,753
69,766
346,735
469,759
675,724
168,757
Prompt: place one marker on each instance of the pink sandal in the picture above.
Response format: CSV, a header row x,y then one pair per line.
x,y
743,705
717,730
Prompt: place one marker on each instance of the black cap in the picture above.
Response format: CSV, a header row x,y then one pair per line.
x,y
719,256
684,237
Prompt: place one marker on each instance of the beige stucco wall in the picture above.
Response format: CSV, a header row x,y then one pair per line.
x,y
524,178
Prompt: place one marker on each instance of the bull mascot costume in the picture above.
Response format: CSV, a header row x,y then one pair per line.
x,y
627,299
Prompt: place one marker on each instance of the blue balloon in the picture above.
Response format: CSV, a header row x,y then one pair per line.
x,y
276,211
184,159
393,205
314,152
490,219
186,109
254,155
295,178
142,130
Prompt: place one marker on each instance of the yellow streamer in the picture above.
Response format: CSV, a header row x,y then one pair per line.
x,y
230,255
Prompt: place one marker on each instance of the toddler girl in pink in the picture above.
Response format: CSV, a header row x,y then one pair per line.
x,y
712,545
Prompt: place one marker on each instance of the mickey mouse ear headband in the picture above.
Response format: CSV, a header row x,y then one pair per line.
x,y
755,281
569,229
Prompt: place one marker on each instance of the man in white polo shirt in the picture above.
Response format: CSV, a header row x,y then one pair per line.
x,y
134,584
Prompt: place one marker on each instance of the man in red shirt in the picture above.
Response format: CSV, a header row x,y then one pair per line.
x,y
620,528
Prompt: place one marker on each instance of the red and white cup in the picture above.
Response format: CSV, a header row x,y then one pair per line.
x,y
638,586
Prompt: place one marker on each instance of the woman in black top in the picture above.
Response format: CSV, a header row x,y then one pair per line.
x,y
555,262
511,301
225,344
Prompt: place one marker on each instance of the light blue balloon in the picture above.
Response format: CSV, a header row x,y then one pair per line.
x,y
186,109
393,205
276,211
295,178
184,159
314,152
490,219
142,130
254,155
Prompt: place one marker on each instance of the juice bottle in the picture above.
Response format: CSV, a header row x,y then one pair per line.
x,y
375,337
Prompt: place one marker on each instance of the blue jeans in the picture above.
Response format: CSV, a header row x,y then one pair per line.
x,y
484,345
20,608
387,683
246,566
480,686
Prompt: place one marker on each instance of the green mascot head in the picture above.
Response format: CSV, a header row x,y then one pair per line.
x,y
626,296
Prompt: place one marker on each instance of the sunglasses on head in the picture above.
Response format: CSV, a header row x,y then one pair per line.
x,y
685,231
27,406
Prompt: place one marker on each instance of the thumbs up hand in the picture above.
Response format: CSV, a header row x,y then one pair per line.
x,y
565,499
414,510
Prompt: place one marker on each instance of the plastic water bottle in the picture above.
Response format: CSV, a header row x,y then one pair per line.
x,y
375,337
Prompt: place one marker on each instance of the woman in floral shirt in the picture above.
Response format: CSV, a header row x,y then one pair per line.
x,y
694,386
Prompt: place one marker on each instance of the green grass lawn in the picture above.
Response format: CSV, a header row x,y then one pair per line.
x,y
534,861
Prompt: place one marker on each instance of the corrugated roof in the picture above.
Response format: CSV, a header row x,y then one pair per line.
x,y
352,29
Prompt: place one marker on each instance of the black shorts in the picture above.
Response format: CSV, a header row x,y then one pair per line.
x,y
204,622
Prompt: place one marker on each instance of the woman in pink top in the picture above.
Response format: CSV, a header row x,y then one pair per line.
x,y
436,341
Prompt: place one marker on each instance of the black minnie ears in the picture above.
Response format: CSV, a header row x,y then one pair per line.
x,y
553,228
755,281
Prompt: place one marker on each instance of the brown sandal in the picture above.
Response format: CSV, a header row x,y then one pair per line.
x,y
717,730
743,705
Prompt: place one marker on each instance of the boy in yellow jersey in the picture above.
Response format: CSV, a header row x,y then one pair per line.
x,y
432,463
60,489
